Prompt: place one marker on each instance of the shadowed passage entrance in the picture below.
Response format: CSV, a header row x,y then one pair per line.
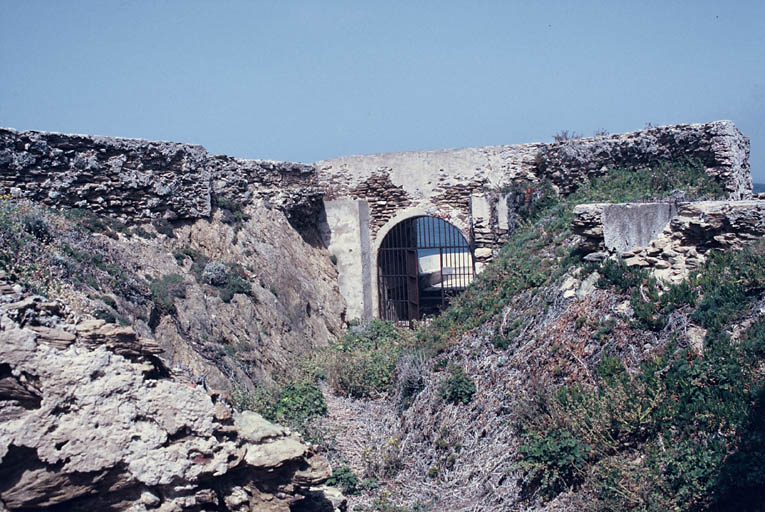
x,y
422,264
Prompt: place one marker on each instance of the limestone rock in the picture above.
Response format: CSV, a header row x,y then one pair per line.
x,y
84,428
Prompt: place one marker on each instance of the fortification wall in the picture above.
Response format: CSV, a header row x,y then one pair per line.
x,y
678,238
442,182
140,179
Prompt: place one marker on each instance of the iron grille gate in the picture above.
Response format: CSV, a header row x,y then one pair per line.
x,y
422,264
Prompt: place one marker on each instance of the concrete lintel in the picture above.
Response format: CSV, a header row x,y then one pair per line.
x,y
632,225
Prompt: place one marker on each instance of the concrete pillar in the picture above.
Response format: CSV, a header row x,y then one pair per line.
x,y
345,232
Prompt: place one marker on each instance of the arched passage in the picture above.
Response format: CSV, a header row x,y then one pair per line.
x,y
422,264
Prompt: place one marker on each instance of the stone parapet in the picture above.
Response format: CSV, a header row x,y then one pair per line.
x,y
140,179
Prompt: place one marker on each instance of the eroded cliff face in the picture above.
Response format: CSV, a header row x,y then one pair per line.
x,y
92,419
171,278
273,300
293,308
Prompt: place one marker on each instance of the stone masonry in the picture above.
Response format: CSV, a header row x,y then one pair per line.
x,y
475,189
678,239
138,179
479,189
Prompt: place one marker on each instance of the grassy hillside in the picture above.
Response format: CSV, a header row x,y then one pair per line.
x,y
634,396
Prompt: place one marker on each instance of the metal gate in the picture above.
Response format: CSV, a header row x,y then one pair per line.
x,y
422,263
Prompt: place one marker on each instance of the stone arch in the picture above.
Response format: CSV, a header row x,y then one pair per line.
x,y
419,211
420,263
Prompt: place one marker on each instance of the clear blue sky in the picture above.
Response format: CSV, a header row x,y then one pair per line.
x,y
305,81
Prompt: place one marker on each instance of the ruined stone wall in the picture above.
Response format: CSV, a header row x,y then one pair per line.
x,y
442,182
439,183
135,179
678,241
719,146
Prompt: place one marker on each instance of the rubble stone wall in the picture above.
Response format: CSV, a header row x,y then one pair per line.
x,y
478,189
689,232
442,182
134,178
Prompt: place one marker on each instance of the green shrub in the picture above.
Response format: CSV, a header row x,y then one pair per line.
x,y
363,363
165,290
37,226
296,404
553,461
457,388
615,273
227,279
233,211
235,284
344,478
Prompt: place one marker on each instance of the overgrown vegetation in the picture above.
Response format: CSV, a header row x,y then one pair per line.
x,y
227,279
363,362
90,222
671,436
23,229
457,388
295,404
535,255
164,291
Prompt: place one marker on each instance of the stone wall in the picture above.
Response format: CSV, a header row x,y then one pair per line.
x,y
442,182
479,189
719,146
135,179
679,239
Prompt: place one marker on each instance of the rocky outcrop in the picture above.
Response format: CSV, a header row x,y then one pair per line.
x,y
140,179
293,309
677,241
231,300
91,419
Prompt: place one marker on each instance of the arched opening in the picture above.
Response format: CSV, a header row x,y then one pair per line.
x,y
422,264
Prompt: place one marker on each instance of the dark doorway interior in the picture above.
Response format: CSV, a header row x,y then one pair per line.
x,y
422,264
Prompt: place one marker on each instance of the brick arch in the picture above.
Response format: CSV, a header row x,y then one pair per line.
x,y
403,215
419,211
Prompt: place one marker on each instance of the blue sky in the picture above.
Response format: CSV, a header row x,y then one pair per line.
x,y
306,80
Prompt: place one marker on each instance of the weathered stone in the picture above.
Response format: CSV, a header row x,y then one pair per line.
x,y
588,285
144,179
681,244
628,226
89,425
596,256
483,253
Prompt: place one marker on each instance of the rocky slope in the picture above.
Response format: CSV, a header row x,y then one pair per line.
x,y
560,383
91,418
246,323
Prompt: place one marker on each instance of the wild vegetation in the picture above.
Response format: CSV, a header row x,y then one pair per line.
x,y
681,429
668,437
623,436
